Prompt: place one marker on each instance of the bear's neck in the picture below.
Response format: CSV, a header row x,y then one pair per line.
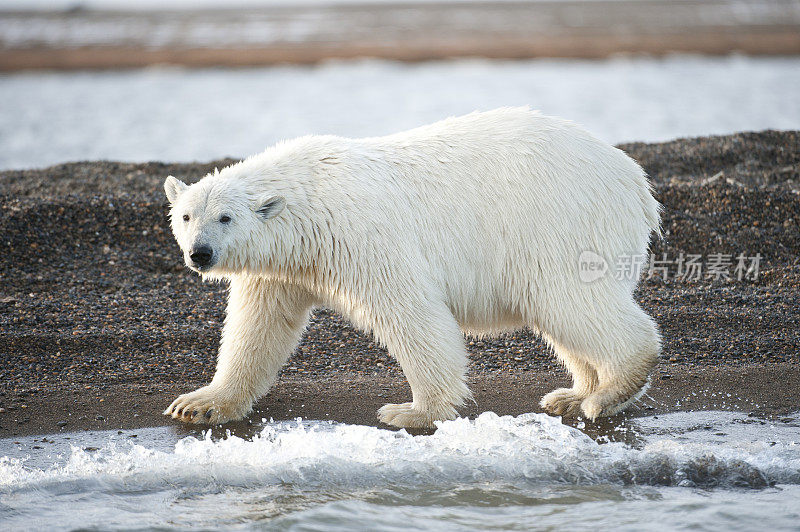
x,y
306,253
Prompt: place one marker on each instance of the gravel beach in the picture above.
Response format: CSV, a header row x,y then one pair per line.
x,y
101,325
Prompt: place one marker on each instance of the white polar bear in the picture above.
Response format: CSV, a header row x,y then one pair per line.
x,y
474,224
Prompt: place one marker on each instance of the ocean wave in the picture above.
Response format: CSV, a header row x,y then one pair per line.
x,y
531,448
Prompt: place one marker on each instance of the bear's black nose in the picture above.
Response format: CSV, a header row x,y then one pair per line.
x,y
201,255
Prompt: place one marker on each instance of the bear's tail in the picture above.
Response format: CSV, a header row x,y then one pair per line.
x,y
652,208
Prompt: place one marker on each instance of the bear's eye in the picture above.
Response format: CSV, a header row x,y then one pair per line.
x,y
225,219
185,217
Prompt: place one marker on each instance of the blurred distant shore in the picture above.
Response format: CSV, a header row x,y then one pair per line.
x,y
82,38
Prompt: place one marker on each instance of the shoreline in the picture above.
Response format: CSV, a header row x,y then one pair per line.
x,y
774,42
308,34
765,391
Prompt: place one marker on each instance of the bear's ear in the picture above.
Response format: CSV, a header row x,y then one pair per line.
x,y
270,207
173,187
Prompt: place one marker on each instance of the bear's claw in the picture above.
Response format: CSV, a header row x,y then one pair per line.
x,y
206,405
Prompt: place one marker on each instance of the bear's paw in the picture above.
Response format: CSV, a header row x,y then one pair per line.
x,y
612,401
563,402
207,405
410,416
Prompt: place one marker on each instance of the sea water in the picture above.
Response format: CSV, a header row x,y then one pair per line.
x,y
702,470
174,114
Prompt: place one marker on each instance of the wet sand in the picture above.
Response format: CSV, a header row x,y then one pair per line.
x,y
406,32
101,326
765,391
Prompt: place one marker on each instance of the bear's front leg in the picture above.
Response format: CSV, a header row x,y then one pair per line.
x,y
264,322
425,339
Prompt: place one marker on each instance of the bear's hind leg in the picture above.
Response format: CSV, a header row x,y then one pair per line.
x,y
429,346
567,401
623,368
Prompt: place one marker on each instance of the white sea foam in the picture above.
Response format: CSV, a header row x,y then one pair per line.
x,y
678,470
530,447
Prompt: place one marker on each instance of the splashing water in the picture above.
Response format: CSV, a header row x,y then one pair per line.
x,y
714,469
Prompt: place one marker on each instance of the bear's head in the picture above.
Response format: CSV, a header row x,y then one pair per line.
x,y
216,220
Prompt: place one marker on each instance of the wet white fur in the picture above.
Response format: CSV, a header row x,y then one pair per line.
x,y
470,224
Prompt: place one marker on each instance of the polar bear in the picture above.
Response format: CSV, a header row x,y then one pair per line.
x,y
474,224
